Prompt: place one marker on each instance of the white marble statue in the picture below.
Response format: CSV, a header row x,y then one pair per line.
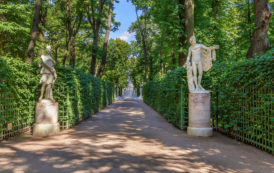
x,y
199,59
48,75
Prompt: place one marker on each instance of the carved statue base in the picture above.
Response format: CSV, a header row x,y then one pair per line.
x,y
199,115
46,118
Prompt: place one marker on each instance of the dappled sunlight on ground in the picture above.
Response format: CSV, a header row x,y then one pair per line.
x,y
128,136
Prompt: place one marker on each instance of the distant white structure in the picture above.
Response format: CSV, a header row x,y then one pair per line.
x,y
129,93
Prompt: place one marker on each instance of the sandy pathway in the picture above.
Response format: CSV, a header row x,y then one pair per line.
x,y
128,136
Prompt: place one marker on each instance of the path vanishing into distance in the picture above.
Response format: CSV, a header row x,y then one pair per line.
x,y
128,136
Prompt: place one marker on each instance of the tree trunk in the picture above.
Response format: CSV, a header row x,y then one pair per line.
x,y
143,35
43,16
182,38
66,51
72,52
263,13
249,19
95,25
72,32
189,18
94,53
34,32
3,34
105,46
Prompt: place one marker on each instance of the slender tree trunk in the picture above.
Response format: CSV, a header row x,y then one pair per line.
x,y
43,17
105,46
94,53
215,14
143,38
249,19
95,24
189,18
72,52
182,38
35,31
263,13
215,29
72,32
66,50
69,28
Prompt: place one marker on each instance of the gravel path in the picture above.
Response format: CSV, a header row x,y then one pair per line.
x,y
129,136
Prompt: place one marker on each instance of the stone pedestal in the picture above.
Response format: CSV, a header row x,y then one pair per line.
x,y
199,115
46,118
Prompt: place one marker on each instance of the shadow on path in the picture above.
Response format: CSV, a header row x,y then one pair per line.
x,y
129,136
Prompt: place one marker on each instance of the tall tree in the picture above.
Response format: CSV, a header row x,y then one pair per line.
x,y
105,46
263,13
143,31
73,25
95,12
35,30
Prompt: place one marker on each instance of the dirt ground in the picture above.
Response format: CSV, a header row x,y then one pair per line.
x,y
128,136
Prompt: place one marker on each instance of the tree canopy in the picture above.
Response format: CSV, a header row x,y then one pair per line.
x,y
78,31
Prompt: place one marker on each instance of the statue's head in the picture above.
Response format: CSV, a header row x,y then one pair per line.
x,y
48,48
192,40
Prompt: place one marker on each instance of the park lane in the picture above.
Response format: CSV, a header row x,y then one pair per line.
x,y
128,136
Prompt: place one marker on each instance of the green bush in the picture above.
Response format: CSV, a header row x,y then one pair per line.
x,y
79,95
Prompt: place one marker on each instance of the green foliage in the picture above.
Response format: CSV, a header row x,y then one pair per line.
x,y
118,63
15,23
163,95
79,95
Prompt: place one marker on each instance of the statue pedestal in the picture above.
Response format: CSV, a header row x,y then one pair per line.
x,y
46,119
199,115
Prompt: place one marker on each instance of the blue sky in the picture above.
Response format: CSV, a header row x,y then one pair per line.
x,y
125,14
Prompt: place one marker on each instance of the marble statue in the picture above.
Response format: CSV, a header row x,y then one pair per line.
x,y
46,111
48,75
199,59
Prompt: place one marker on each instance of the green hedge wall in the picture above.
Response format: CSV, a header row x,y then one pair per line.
x,y
79,95
241,99
164,95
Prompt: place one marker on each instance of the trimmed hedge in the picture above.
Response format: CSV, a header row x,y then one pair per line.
x,y
241,99
79,95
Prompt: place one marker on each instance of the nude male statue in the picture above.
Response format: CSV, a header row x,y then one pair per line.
x,y
48,75
201,60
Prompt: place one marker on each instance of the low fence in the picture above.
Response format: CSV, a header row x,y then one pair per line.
x,y
250,119
79,95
